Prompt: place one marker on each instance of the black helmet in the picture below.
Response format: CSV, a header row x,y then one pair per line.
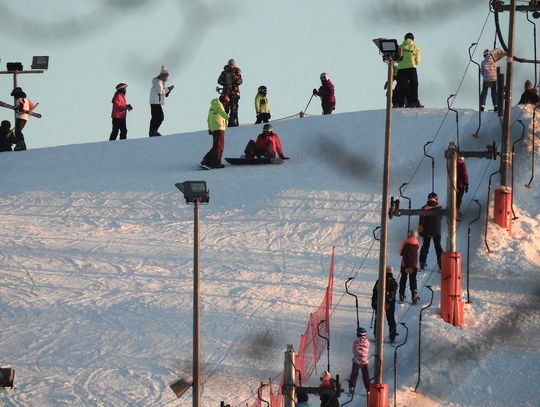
x,y
409,36
262,89
433,196
16,91
361,331
267,127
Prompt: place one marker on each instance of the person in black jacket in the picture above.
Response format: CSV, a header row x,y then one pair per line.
x,y
429,227
529,96
7,138
390,301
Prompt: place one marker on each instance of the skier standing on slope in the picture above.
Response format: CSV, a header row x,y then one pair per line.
x,y
267,145
7,137
462,184
529,96
231,79
217,123
328,391
488,69
407,77
23,107
262,106
409,266
360,360
119,112
390,302
158,93
429,227
326,93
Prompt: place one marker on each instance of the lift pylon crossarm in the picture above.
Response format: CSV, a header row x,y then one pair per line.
x,y
499,6
490,153
395,210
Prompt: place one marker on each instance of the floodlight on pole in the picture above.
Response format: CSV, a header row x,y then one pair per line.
x,y
195,193
7,377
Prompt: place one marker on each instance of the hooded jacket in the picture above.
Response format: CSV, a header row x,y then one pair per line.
x,y
409,252
217,117
411,54
488,69
360,350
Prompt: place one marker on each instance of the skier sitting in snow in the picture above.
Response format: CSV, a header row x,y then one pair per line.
x,y
390,301
262,107
529,96
267,145
360,360
326,93
7,138
119,112
328,391
409,266
23,107
429,227
488,69
303,400
462,184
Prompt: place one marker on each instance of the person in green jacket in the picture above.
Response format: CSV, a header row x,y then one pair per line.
x,y
262,106
217,123
407,78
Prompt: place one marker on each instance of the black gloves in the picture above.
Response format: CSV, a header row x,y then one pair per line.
x,y
315,92
466,188
129,108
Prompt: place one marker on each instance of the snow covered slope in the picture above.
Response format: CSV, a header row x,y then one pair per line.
x,y
96,264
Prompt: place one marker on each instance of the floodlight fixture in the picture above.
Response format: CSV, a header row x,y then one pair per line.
x,y
389,48
179,387
195,192
7,377
14,66
40,62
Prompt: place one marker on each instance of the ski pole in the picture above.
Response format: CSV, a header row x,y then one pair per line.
x,y
308,103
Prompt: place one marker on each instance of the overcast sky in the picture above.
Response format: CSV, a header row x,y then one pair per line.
x,y
283,44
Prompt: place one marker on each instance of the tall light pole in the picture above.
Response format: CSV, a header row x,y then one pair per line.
x,y
379,391
196,194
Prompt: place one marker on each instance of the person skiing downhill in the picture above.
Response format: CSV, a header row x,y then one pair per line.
x,y
390,301
407,77
262,106
409,266
360,360
326,93
158,93
488,69
267,145
231,79
119,112
429,227
23,108
217,123
529,95
462,184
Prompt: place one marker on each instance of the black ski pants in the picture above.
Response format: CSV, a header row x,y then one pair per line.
x,y
118,125
407,87
327,109
403,281
20,144
252,150
459,197
354,375
262,118
390,318
156,120
232,110
425,248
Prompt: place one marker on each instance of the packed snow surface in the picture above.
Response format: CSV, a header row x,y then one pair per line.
x,y
96,250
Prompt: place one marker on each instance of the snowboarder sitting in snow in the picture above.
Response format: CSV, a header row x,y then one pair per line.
x,y
488,69
429,227
23,108
231,79
529,96
409,266
267,145
326,93
262,107
360,360
303,400
328,391
462,184
119,112
7,138
390,302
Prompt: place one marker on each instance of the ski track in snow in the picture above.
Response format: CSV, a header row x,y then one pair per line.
x,y
96,266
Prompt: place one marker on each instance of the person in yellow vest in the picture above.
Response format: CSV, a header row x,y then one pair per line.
x,y
23,108
262,106
407,78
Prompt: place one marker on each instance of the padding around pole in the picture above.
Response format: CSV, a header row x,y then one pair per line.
x,y
378,395
451,304
502,210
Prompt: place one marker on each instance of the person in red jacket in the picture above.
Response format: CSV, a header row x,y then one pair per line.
x,y
119,112
267,145
462,184
326,93
409,266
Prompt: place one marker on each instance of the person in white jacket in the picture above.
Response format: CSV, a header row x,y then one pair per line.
x,y
360,360
158,93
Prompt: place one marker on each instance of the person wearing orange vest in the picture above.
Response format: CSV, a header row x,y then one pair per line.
x,y
119,112
23,108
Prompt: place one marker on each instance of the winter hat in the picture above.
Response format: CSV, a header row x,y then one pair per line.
x,y
121,86
16,91
432,196
389,269
486,52
324,76
409,36
412,233
528,84
360,332
164,70
231,63
5,124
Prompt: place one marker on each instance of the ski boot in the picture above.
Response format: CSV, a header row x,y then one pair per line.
x,y
401,297
414,297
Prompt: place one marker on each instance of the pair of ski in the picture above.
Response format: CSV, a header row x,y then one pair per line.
x,y
245,161
30,112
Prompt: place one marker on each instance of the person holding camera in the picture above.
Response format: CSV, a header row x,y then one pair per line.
x,y
158,93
